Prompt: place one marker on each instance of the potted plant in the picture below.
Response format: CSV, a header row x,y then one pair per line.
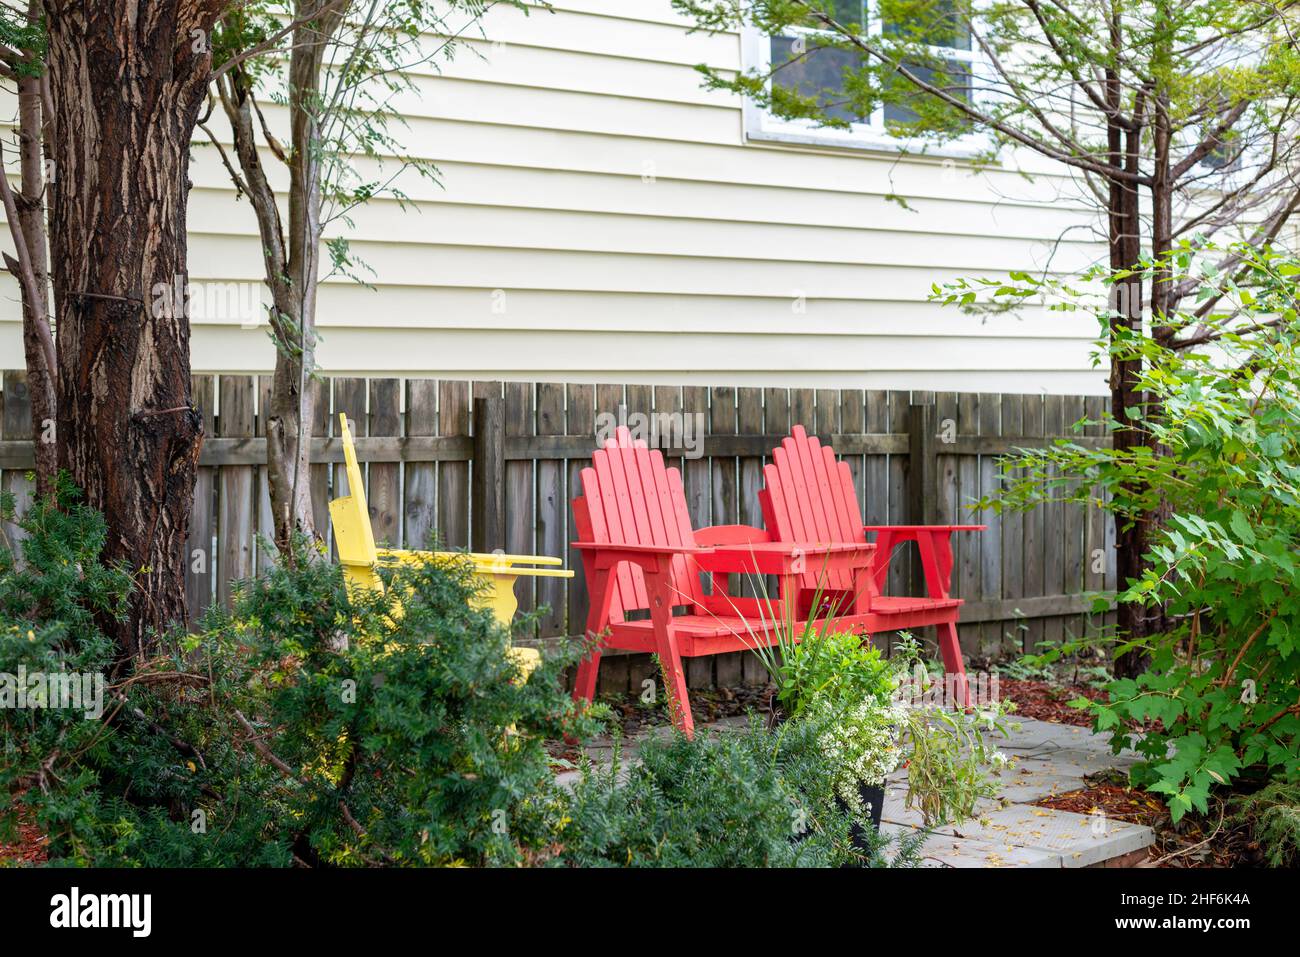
x,y
844,688
862,744
871,717
948,755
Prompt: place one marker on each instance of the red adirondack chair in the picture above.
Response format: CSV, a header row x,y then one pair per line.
x,y
809,497
639,551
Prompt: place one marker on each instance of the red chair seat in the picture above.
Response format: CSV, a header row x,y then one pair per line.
x,y
699,635
903,604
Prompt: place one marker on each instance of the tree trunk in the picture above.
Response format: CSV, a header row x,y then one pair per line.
x,y
31,216
292,259
36,313
288,446
25,208
127,80
1131,536
288,432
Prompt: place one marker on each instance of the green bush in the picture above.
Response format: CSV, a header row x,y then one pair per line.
x,y
413,737
1272,815
722,800
117,789
1221,696
301,724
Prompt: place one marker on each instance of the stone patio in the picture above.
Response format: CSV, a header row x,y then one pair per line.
x,y
1011,831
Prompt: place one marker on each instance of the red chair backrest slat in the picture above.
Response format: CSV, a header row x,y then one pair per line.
x,y
809,497
629,497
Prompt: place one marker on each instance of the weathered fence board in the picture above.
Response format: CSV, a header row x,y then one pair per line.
x,y
552,507
16,426
234,552
203,526
496,464
420,493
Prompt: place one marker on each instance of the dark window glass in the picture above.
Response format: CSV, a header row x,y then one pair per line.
x,y
955,80
819,73
845,12
939,26
1223,157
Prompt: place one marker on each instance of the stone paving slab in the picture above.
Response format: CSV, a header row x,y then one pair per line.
x,y
1080,839
944,850
1013,832
1030,734
1076,762
1029,780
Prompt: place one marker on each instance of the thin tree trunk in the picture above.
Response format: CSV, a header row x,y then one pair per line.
x,y
30,266
289,425
287,446
36,314
1131,533
30,269
292,258
1124,228
127,81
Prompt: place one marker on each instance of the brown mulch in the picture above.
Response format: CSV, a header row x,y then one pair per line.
x,y
30,849
634,717
1194,842
1042,700
1045,701
1114,800
706,705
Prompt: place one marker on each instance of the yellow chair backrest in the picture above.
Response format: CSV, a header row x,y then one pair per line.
x,y
361,557
353,536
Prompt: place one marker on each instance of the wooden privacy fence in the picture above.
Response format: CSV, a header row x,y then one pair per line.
x,y
490,465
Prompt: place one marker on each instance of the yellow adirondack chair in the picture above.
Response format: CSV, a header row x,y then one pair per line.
x,y
361,558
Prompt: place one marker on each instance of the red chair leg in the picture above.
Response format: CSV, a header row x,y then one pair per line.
x,y
670,660
679,702
952,661
601,592
584,686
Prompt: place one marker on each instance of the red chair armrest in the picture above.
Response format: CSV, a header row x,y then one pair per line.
x,y
606,555
912,529
643,549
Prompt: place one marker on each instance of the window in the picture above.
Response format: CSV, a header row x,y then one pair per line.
x,y
815,70
1222,159
1225,157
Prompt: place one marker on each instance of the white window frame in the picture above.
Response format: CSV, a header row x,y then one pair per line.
x,y
760,125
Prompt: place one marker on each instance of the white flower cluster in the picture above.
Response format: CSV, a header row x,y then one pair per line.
x,y
861,742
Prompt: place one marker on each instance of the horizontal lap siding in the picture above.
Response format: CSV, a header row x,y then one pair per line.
x,y
602,219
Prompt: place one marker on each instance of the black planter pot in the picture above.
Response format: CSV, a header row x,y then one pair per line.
x,y
873,797
873,802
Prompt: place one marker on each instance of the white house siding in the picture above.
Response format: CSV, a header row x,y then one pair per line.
x,y
602,218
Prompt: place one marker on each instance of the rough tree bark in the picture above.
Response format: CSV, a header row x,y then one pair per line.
x,y
1131,540
127,80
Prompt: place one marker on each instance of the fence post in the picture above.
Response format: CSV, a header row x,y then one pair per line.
x,y
923,467
488,486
